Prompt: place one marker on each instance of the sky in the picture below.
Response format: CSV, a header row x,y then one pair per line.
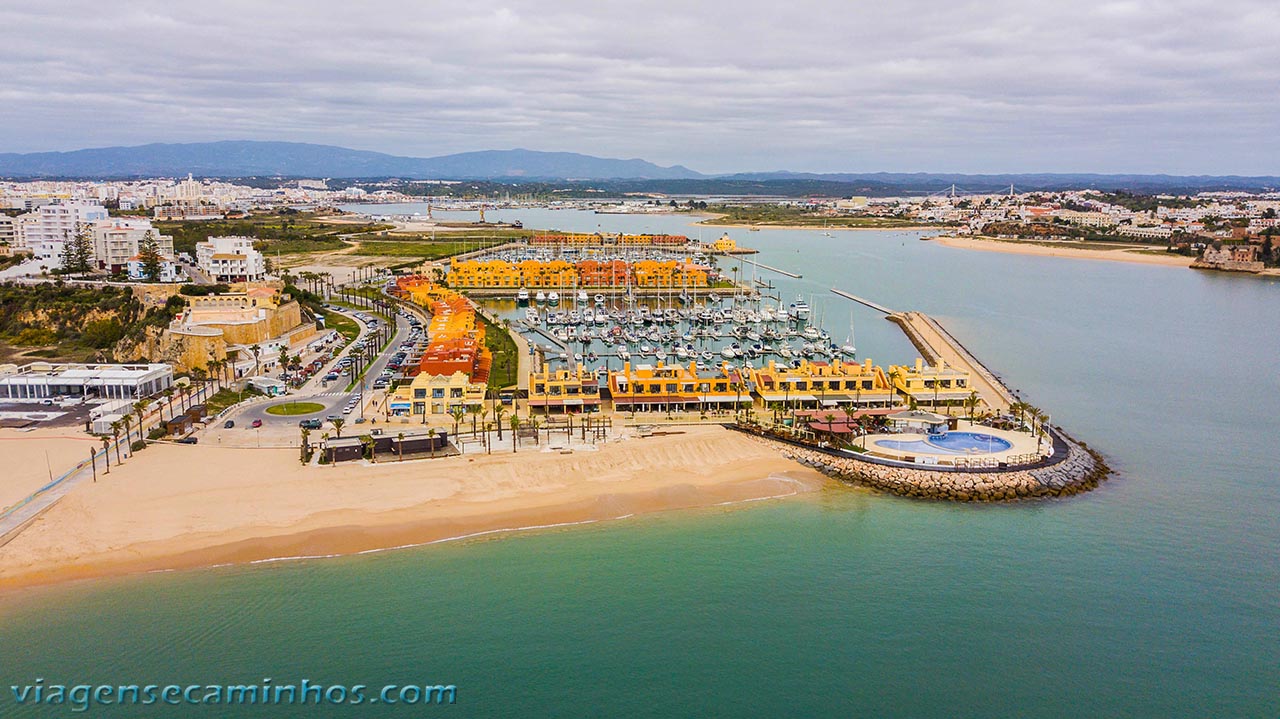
x,y
1175,86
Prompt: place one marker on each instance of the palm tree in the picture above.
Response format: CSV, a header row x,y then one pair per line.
x,y
106,452
367,441
115,436
431,433
473,410
458,413
484,417
256,350
498,413
488,427
168,399
337,425
127,419
139,409
400,444
737,405
515,425
305,434
536,424
971,403
894,377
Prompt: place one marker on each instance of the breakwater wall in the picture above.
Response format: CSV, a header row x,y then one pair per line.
x,y
1078,470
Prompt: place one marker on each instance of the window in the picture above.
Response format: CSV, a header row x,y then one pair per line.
x,y
437,393
655,389
539,389
419,394
455,392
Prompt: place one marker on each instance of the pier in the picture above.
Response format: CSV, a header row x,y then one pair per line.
x,y
761,265
875,306
936,344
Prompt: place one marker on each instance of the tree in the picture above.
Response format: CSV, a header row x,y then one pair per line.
x,y
127,421
367,441
168,399
458,413
115,437
431,433
306,433
971,403
515,425
149,254
139,409
498,413
400,444
337,425
257,351
106,452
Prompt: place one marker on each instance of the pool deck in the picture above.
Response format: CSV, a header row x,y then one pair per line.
x,y
1021,445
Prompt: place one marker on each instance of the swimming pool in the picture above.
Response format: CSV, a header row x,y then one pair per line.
x,y
950,443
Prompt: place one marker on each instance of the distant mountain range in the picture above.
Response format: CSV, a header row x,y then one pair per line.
x,y
241,158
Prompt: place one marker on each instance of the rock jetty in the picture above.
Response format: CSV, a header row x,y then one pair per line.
x,y
1080,471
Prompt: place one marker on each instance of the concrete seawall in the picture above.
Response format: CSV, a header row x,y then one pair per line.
x,y
935,343
1081,471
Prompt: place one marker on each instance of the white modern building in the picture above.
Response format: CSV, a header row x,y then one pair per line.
x,y
116,240
230,259
50,228
39,380
169,271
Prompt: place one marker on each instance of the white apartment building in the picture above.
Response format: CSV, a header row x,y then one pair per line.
x,y
52,225
169,271
118,239
8,231
230,259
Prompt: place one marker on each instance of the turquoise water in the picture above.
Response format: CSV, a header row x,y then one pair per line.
x,y
1154,596
950,443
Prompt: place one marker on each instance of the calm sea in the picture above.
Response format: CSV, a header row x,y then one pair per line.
x,y
1157,595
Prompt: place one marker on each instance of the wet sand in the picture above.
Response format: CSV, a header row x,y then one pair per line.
x,y
1067,250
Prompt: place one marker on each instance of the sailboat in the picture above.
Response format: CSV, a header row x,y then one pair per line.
x,y
848,348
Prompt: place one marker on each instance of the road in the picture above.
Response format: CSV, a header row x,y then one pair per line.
x,y
279,430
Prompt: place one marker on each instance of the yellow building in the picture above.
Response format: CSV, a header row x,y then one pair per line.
x,y
725,244
564,391
550,275
435,395
664,387
823,384
484,274
931,384
668,273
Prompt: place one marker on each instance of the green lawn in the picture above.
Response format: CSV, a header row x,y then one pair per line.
x,y
765,215
294,408
226,397
345,326
424,250
506,358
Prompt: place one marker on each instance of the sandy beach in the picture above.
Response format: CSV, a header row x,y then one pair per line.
x,y
175,507
1068,251
31,457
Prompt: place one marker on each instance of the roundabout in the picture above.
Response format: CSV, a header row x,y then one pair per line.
x,y
293,409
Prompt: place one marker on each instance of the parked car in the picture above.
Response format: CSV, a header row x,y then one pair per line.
x,y
310,424
188,440
256,423
229,424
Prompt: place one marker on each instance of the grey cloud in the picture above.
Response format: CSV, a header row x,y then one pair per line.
x,y
1176,86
